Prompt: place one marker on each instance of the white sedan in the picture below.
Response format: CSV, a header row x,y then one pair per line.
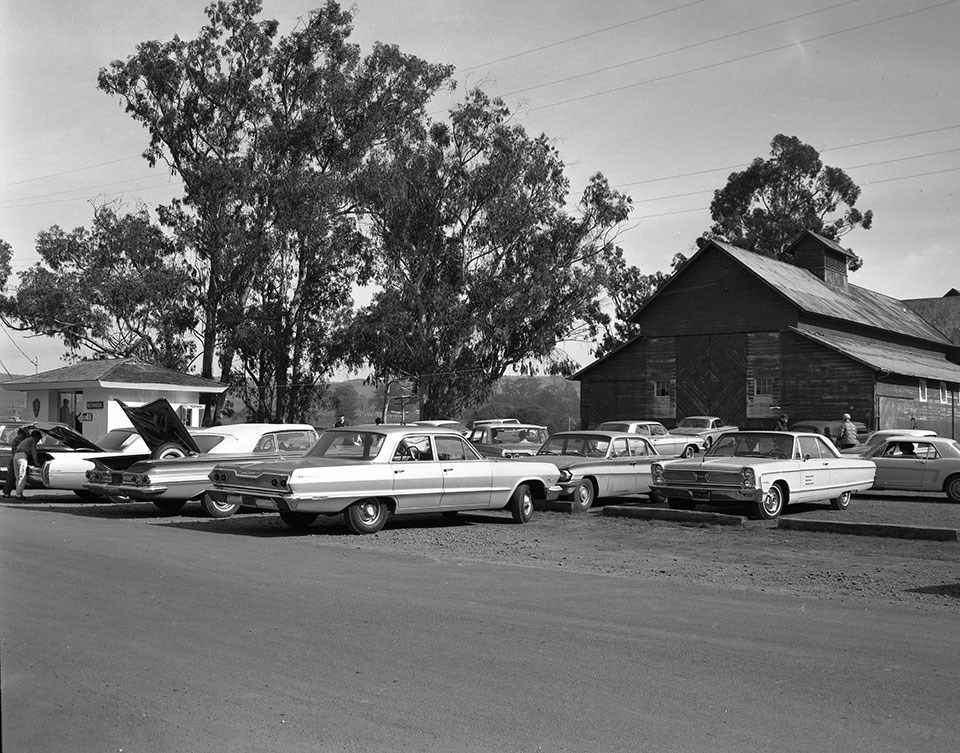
x,y
766,470
669,444
67,468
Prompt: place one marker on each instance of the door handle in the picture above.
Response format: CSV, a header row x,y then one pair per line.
x,y
398,470
447,470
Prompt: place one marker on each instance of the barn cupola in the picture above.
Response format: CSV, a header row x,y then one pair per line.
x,y
825,258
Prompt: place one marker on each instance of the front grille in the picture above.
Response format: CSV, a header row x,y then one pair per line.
x,y
715,478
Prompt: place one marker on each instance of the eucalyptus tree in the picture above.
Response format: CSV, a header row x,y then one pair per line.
x,y
265,133
119,289
480,267
765,207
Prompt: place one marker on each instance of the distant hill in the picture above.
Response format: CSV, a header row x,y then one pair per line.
x,y
13,404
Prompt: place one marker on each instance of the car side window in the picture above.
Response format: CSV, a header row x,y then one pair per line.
x,y
267,443
454,448
925,451
657,430
620,448
638,447
809,446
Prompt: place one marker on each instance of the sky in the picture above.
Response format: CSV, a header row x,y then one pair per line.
x,y
664,97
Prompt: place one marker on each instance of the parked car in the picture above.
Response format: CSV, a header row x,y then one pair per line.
x,y
181,459
830,428
445,424
764,469
493,421
68,470
667,443
58,440
877,437
922,464
596,464
706,427
367,473
509,439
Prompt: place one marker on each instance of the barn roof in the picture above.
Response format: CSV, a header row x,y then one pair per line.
x,y
848,303
943,313
886,357
119,371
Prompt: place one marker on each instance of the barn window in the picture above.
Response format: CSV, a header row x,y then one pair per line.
x,y
763,386
661,388
923,390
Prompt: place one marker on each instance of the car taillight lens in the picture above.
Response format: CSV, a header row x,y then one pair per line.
x,y
280,482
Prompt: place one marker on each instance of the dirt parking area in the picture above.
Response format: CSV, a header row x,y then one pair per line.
x,y
758,556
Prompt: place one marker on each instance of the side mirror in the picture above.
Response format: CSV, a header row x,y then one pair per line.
x,y
807,456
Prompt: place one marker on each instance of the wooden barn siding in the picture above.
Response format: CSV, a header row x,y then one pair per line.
x,y
763,362
711,376
820,383
715,295
622,387
899,406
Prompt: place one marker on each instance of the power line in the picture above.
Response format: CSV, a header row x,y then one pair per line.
x,y
582,36
677,49
68,172
739,58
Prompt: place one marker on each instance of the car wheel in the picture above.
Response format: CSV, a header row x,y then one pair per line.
x,y
842,502
689,451
216,509
952,488
772,503
168,450
707,442
169,506
680,504
521,504
583,496
366,516
298,520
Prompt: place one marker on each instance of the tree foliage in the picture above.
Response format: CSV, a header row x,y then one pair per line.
x,y
480,268
765,207
120,289
266,134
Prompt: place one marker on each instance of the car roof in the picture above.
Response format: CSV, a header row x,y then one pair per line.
x,y
510,425
597,433
245,430
391,429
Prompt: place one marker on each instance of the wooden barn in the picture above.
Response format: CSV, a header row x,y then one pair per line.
x,y
745,337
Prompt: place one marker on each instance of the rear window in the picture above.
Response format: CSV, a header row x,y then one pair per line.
x,y
117,439
206,442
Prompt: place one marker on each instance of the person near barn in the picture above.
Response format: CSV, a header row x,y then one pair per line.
x,y
847,433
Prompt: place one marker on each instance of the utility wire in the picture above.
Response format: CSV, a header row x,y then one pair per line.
x,y
737,59
581,36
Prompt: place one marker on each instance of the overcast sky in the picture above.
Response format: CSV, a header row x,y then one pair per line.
x,y
665,97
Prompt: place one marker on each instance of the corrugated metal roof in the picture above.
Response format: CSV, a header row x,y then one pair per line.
x,y
119,370
943,313
895,359
847,303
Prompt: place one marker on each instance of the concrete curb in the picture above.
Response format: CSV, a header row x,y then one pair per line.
x,y
676,516
870,529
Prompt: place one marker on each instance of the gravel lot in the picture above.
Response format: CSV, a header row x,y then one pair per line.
x,y
918,573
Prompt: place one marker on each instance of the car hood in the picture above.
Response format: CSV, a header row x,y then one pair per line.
x,y
718,464
159,424
688,431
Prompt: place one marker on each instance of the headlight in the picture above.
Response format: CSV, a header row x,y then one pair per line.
x,y
565,475
656,470
748,478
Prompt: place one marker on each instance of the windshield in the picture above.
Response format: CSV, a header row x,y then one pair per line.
x,y
694,423
118,439
752,445
349,445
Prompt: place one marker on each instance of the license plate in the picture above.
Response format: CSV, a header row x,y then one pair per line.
x,y
701,495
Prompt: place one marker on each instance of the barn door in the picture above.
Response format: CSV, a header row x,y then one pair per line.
x,y
712,377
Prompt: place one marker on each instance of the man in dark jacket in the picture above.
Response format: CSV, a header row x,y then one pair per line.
x,y
26,451
11,479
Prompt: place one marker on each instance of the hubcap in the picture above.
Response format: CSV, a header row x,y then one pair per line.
x,y
771,500
527,504
369,512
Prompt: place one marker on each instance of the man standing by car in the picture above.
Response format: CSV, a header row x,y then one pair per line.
x,y
25,452
847,433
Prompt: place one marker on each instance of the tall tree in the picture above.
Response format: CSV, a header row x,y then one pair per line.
x,y
265,134
769,204
120,289
480,268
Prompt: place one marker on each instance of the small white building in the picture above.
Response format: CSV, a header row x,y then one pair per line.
x,y
84,396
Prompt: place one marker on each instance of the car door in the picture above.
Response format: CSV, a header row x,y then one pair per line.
x,y
815,477
898,468
643,454
466,475
617,473
417,477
